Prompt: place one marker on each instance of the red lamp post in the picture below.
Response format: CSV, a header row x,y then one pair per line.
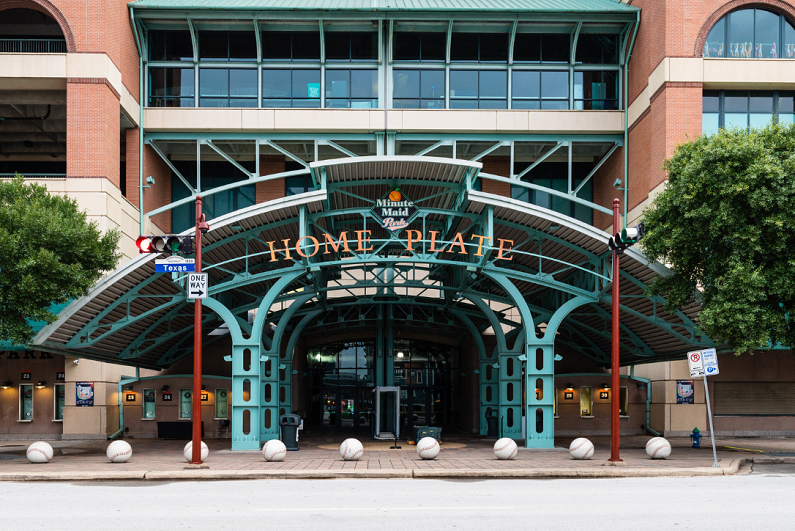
x,y
615,434
201,228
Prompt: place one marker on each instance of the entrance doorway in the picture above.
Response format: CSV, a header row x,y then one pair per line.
x,y
337,408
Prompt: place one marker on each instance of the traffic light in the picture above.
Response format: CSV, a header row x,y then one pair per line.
x,y
168,243
626,238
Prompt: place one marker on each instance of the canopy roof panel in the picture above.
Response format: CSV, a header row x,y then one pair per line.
x,y
520,6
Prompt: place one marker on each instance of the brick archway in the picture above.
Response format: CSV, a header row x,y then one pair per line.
x,y
778,6
46,7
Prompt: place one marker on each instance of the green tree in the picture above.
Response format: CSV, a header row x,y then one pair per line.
x,y
725,226
49,254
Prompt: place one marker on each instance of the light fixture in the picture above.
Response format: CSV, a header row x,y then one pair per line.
x,y
6,385
128,388
41,384
204,387
164,388
605,386
400,354
570,387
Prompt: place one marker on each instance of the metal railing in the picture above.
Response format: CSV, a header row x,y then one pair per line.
x,y
32,46
34,175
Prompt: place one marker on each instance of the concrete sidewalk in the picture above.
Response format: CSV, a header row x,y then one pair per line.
x,y
461,457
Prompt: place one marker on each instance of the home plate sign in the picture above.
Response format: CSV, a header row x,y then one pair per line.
x,y
197,286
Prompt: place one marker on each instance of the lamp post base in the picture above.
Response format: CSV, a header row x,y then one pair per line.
x,y
619,462
198,466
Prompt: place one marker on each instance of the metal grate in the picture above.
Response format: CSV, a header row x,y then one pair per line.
x,y
32,46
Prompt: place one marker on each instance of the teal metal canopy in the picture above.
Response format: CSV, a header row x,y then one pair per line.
x,y
493,6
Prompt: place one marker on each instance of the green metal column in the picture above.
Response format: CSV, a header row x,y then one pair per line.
x,y
245,395
540,397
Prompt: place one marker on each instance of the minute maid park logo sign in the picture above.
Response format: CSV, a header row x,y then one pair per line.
x,y
394,211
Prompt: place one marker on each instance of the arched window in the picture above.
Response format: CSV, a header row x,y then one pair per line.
x,y
751,33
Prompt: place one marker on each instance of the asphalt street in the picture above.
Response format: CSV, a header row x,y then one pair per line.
x,y
762,500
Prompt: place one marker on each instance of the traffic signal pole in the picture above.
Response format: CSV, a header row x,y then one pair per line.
x,y
615,393
196,457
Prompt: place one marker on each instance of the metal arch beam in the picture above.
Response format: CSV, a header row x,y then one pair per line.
x,y
560,314
227,317
267,301
297,331
285,318
132,351
632,335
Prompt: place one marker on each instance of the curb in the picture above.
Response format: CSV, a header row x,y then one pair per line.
x,y
736,466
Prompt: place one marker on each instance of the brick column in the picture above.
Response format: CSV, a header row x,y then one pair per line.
x,y
497,166
92,129
270,190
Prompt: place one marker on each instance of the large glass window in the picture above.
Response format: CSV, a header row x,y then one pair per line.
x,y
170,46
353,89
26,402
541,48
751,33
227,87
351,46
291,88
479,47
149,404
221,403
185,403
227,46
416,47
171,87
744,109
290,46
418,89
59,400
478,89
596,90
297,184
597,49
554,175
540,90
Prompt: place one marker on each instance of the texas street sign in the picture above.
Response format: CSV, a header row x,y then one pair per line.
x,y
710,359
197,286
696,362
175,264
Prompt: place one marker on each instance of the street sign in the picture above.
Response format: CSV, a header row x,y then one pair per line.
x,y
175,264
197,286
710,359
696,362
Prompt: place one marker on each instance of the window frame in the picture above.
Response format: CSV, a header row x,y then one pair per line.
x,y
190,402
217,403
721,94
55,401
144,402
21,403
783,21
623,401
590,414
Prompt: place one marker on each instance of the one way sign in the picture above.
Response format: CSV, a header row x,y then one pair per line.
x,y
197,286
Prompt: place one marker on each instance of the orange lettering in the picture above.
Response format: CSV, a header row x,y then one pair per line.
x,y
459,241
301,252
330,241
433,248
499,254
415,240
480,243
363,240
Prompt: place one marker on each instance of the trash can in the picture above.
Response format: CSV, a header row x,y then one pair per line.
x,y
289,427
492,428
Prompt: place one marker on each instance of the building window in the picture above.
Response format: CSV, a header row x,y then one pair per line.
x,y
185,403
596,90
171,87
26,403
227,46
170,46
419,47
751,33
547,90
479,47
297,185
291,88
478,89
554,175
597,49
149,404
351,46
541,48
623,402
726,109
586,401
418,89
221,403
227,87
290,46
59,397
351,89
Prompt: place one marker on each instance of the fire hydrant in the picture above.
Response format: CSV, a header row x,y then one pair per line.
x,y
696,438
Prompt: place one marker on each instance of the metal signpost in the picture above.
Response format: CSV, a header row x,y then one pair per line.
x,y
703,362
615,426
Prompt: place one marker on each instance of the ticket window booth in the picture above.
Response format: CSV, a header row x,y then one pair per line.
x,y
387,413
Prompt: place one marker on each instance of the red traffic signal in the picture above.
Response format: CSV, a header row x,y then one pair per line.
x,y
169,243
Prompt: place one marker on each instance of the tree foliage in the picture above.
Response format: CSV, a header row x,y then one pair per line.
x,y
725,226
49,254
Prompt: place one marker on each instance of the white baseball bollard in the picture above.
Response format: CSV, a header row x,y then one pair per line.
x,y
119,452
428,448
505,448
581,448
39,452
274,450
658,448
188,451
351,450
